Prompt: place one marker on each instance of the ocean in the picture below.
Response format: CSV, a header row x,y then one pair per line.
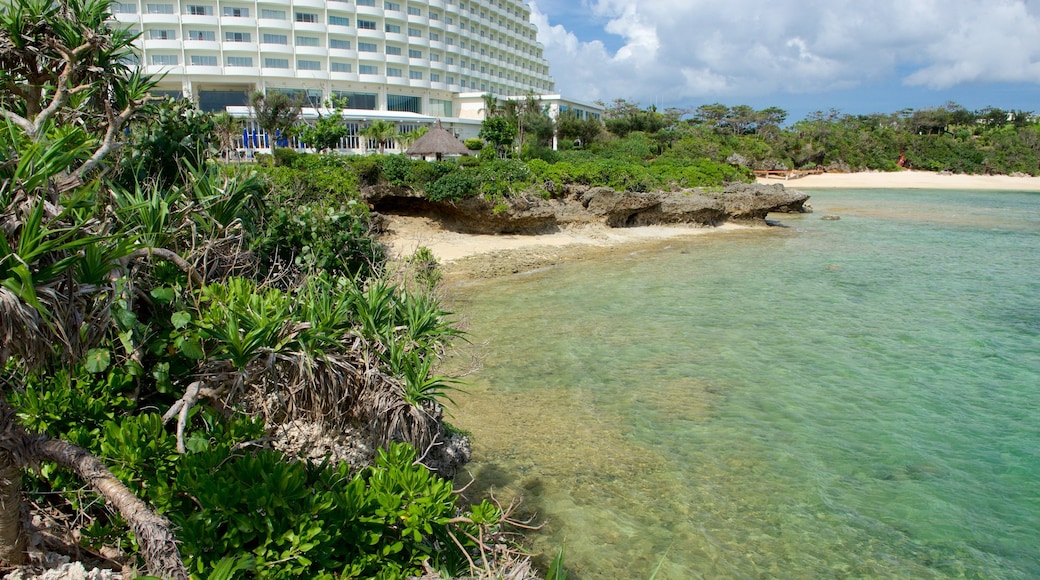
x,y
851,398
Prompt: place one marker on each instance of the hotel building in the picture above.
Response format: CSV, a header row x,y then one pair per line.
x,y
408,61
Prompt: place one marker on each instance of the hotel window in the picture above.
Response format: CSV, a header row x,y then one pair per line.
x,y
367,69
236,12
393,50
272,14
308,65
196,10
306,17
434,36
393,72
336,66
415,32
392,6
276,63
415,75
434,57
404,103
276,39
237,36
339,21
435,78
159,8
202,35
366,24
339,43
366,2
164,59
450,60
412,53
202,60
121,8
413,11
244,61
162,35
306,41
367,47
393,28
364,101
450,41
439,107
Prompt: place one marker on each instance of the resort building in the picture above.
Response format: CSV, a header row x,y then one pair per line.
x,y
407,61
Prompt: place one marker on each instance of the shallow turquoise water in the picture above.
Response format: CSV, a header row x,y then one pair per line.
x,y
853,398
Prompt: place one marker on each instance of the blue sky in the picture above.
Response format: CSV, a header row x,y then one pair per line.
x,y
857,56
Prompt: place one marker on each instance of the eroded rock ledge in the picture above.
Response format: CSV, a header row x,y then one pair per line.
x,y
739,202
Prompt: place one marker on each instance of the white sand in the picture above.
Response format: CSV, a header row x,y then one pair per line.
x,y
409,233
910,180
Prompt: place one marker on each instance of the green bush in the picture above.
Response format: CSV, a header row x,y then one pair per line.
x,y
453,186
474,144
397,169
323,236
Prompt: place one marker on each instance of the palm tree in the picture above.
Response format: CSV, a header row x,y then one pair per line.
x,y
405,140
276,113
227,129
491,106
382,132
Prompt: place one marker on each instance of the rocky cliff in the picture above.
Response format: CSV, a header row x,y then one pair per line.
x,y
741,202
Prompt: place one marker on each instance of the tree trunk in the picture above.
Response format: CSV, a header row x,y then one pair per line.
x,y
12,540
19,449
157,542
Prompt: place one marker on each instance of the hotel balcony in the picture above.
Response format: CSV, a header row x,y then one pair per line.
x,y
312,51
318,4
373,11
273,24
208,20
240,46
312,74
311,26
237,22
343,76
162,44
196,70
281,49
147,19
272,72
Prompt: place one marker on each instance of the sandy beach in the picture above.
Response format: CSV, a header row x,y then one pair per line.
x,y
469,256
910,180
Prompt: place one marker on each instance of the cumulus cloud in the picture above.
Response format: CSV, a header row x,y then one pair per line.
x,y
679,50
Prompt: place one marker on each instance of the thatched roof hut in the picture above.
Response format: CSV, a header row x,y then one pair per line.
x,y
437,143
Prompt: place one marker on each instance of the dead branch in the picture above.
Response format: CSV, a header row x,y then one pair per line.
x,y
169,256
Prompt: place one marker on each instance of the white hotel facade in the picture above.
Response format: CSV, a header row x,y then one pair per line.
x,y
412,62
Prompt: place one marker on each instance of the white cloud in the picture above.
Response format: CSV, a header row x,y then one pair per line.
x,y
679,50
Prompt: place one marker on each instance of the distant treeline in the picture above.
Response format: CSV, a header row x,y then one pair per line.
x,y
945,138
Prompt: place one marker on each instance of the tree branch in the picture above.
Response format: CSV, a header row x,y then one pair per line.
x,y
169,256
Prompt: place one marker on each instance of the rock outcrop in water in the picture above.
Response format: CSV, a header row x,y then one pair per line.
x,y
739,202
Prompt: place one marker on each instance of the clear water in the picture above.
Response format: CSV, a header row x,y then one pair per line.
x,y
832,399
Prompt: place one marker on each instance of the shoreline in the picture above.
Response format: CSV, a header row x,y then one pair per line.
x,y
470,257
909,179
480,256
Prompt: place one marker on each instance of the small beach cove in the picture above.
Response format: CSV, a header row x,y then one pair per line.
x,y
813,400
